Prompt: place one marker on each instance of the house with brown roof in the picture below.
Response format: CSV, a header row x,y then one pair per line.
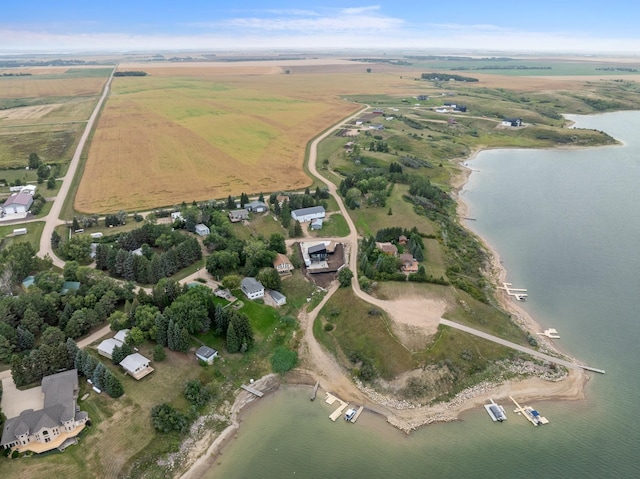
x,y
403,240
387,248
409,263
59,420
282,264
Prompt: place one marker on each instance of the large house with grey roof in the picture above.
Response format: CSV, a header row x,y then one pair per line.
x,y
59,420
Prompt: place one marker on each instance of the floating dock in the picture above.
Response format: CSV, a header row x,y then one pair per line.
x,y
338,412
529,414
519,293
495,411
357,415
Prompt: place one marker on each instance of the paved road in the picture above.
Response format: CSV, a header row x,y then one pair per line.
x,y
53,218
511,345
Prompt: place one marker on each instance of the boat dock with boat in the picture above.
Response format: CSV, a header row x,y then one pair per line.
x,y
529,414
550,333
495,411
519,293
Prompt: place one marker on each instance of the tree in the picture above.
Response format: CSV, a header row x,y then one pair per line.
x,y
283,360
277,243
34,161
52,336
285,214
166,418
120,352
244,199
25,339
270,278
51,183
221,263
113,386
344,277
70,271
368,70
233,343
196,393
159,354
231,281
55,239
98,377
135,336
6,349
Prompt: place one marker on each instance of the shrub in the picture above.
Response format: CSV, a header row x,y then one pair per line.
x,y
283,360
159,354
328,327
166,418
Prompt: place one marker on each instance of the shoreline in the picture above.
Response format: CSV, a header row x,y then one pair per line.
x,y
571,387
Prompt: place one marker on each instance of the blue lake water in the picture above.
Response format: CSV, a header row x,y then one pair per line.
x,y
566,224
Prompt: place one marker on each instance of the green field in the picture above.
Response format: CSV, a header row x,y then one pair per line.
x,y
34,231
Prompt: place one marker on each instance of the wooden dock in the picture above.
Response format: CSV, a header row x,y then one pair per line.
x,y
315,391
525,411
338,412
251,390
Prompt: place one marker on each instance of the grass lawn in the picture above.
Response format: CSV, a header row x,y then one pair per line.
x,y
356,330
34,231
297,289
369,220
334,225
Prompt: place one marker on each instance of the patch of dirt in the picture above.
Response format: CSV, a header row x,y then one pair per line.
x,y
28,112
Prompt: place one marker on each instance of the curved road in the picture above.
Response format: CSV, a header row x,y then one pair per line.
x,y
53,218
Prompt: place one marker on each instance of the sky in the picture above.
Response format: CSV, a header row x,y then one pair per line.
x,y
570,26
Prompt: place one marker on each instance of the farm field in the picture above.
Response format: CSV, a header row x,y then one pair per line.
x,y
194,133
45,112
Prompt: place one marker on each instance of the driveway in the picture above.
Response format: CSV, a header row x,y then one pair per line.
x,y
15,401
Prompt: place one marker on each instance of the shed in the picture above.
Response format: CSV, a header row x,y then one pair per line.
x,y
277,298
206,354
121,335
136,366
106,347
202,229
316,224
68,286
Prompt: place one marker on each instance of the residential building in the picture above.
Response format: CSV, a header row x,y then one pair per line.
x,y
308,214
206,354
409,263
106,347
238,215
252,288
403,240
282,264
59,420
318,252
136,366
257,206
18,203
387,248
202,229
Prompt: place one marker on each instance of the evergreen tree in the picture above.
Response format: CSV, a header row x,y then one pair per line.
x,y
244,199
285,214
162,326
120,352
220,320
89,366
72,351
98,376
25,339
231,203
233,343
55,239
80,360
184,340
112,385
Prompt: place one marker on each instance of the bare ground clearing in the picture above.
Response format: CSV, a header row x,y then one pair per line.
x,y
28,112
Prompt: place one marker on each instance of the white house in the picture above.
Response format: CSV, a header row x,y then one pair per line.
x,y
252,288
18,203
121,335
316,224
202,229
206,354
48,428
136,366
308,214
512,122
